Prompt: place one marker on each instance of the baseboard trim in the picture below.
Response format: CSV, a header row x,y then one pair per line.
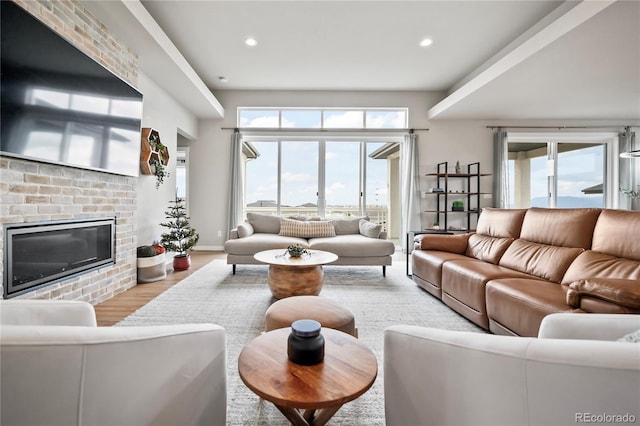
x,y
209,248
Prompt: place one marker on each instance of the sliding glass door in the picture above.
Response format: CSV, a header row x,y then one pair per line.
x,y
327,178
558,174
298,177
580,178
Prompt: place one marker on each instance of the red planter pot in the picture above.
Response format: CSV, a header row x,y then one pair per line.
x,y
181,263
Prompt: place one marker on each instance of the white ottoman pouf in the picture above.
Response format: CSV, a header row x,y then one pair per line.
x,y
328,313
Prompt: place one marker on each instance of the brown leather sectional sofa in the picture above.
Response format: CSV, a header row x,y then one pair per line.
x,y
523,264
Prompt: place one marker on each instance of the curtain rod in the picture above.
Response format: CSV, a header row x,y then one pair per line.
x,y
560,127
304,129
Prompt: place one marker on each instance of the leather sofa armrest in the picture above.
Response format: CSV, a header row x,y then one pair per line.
x,y
622,292
450,243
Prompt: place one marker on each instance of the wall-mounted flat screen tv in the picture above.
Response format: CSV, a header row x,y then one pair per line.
x,y
60,106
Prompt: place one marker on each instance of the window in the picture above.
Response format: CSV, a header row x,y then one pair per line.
x,y
316,178
324,118
298,177
561,170
323,176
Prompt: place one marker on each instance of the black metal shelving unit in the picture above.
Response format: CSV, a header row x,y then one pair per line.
x,y
470,193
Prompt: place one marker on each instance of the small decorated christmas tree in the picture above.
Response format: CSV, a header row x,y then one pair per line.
x,y
181,237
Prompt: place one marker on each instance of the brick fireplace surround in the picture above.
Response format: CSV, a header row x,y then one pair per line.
x,y
36,192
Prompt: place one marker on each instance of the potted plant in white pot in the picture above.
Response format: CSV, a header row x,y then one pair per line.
x,y
181,237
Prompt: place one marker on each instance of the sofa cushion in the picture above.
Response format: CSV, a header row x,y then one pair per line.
x,y
450,243
244,230
427,265
259,242
520,304
348,226
560,227
306,229
353,245
369,229
504,223
591,264
486,248
464,282
264,223
301,217
617,233
540,260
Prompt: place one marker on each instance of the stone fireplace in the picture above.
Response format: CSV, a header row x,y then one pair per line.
x,y
33,192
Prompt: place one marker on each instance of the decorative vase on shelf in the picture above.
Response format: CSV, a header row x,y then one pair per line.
x,y
458,169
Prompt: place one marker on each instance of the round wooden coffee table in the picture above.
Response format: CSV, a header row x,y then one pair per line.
x,y
348,370
295,276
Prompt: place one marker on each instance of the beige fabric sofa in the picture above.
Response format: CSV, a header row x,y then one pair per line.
x,y
524,264
573,372
58,368
356,241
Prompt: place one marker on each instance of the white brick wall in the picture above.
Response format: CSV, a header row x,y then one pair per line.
x,y
34,192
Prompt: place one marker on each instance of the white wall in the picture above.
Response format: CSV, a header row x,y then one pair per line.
x,y
163,113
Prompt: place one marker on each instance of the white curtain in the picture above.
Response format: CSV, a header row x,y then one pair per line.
x,y
629,170
236,186
410,187
500,169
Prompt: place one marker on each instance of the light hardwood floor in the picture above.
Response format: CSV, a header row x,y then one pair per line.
x,y
120,306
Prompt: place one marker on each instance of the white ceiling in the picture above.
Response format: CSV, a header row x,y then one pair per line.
x,y
496,59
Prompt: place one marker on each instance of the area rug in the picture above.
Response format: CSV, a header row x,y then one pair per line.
x,y
238,303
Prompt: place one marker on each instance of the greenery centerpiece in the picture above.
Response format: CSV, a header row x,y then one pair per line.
x,y
296,250
159,158
180,237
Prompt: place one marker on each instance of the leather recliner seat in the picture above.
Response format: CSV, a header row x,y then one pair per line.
x,y
523,264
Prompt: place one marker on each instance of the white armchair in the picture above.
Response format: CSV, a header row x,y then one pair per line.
x,y
568,375
58,368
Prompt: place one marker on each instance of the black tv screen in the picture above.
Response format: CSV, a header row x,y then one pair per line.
x,y
60,106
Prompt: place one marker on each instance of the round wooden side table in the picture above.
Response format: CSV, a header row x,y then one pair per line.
x,y
308,395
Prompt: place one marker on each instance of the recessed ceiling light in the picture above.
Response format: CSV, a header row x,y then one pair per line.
x,y
426,42
223,79
250,41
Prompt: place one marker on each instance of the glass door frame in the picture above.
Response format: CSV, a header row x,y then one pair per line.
x,y
611,166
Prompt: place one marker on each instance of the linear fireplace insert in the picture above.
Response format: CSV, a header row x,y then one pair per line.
x,y
42,253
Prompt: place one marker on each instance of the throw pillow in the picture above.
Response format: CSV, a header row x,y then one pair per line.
x,y
369,229
348,226
244,230
631,337
306,229
264,223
